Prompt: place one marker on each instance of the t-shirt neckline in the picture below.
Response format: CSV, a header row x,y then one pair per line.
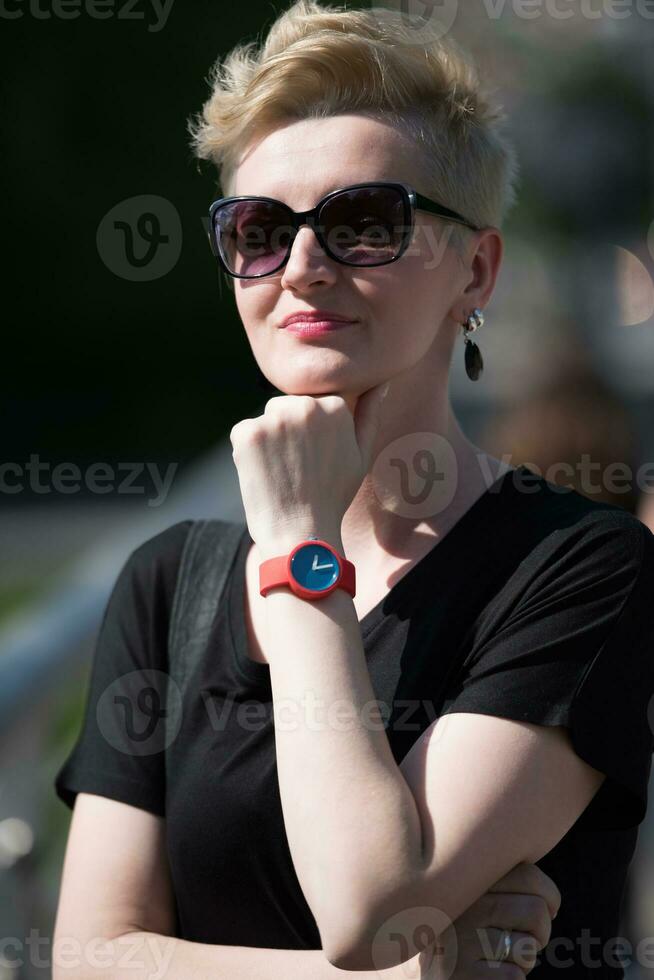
x,y
259,673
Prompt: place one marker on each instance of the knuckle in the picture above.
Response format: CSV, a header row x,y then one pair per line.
x,y
514,880
334,403
540,883
257,435
535,907
246,432
491,906
532,877
538,920
238,430
307,404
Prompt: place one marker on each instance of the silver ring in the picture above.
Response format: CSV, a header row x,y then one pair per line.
x,y
506,952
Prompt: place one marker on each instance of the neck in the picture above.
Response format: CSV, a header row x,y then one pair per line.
x,y
425,473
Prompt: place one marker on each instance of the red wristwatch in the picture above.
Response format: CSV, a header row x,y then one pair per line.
x,y
312,570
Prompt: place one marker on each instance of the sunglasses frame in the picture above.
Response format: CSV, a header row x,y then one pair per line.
x,y
412,200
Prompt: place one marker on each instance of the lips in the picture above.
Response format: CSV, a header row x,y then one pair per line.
x,y
316,328
316,316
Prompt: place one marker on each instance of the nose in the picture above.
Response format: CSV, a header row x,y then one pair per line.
x,y
308,262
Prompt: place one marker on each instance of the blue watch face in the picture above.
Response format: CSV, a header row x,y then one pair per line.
x,y
314,567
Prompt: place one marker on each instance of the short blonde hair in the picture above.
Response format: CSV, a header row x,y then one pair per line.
x,y
319,61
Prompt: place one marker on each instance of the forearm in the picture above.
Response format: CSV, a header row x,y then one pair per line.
x,y
350,817
151,956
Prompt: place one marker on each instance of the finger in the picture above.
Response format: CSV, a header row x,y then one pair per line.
x,y
524,913
529,879
523,952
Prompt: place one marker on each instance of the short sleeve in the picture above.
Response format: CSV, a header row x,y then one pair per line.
x,y
577,649
120,750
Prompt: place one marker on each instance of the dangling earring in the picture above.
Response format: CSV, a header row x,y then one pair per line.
x,y
473,359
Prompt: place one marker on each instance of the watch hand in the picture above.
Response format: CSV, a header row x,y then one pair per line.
x,y
316,567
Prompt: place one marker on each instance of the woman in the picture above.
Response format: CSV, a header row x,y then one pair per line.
x,y
458,659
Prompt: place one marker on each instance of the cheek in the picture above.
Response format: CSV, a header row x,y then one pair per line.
x,y
412,312
412,296
254,312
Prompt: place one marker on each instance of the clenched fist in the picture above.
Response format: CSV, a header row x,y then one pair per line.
x,y
301,463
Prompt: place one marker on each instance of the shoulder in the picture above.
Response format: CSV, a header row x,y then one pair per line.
x,y
166,544
162,552
163,547
562,522
146,582
152,568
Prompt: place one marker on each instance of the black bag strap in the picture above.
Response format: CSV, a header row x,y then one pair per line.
x,y
207,557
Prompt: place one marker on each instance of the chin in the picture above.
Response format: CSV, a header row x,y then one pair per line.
x,y
309,386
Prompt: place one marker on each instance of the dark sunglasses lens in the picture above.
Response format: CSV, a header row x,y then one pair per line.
x,y
365,226
252,236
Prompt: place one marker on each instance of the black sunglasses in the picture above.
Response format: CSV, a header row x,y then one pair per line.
x,y
361,225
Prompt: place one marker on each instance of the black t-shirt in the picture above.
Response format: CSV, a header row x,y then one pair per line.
x,y
538,605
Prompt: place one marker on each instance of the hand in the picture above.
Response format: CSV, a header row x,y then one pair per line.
x,y
524,901
301,463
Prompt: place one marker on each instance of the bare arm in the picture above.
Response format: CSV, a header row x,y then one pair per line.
x,y
350,817
116,912
150,956
363,831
